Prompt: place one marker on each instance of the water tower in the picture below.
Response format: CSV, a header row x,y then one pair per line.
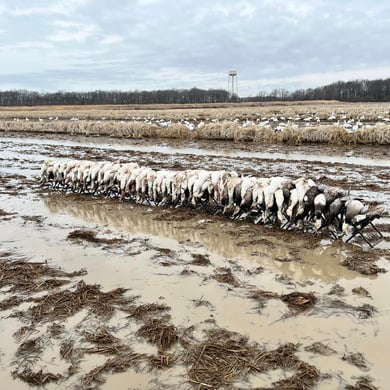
x,y
232,83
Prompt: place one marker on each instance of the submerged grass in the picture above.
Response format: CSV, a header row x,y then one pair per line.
x,y
159,332
225,275
362,383
296,301
221,359
226,357
120,363
320,349
24,276
66,303
90,236
38,378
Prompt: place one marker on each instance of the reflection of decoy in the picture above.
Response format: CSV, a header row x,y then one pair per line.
x,y
357,218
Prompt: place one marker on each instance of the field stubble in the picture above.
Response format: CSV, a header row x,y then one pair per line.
x,y
294,123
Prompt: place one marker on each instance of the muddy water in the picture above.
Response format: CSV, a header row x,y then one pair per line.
x,y
158,245
377,156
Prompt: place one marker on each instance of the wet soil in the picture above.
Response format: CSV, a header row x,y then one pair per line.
x,y
97,293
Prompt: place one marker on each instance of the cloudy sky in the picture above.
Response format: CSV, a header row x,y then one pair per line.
x,y
51,45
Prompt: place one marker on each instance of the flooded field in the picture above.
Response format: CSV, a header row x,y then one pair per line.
x,y
111,294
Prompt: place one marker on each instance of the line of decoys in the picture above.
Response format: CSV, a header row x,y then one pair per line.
x,y
299,203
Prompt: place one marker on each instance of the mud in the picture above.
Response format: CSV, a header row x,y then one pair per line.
x,y
100,293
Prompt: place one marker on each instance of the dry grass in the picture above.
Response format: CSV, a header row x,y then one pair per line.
x,y
220,122
223,131
220,111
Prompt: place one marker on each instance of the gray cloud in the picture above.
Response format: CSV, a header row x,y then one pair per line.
x,y
152,44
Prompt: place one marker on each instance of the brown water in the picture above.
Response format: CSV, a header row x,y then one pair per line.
x,y
291,262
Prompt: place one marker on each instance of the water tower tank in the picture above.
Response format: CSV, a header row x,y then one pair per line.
x,y
232,83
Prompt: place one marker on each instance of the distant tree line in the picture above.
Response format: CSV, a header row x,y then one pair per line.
x,y
169,96
350,91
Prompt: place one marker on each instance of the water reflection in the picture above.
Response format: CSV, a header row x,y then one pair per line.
x,y
233,240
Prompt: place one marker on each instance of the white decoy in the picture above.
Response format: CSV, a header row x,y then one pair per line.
x,y
355,211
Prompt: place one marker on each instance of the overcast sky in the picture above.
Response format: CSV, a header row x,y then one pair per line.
x,y
85,45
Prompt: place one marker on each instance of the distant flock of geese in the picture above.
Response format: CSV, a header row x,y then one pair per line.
x,y
289,203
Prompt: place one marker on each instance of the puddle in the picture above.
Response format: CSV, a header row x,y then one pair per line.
x,y
151,253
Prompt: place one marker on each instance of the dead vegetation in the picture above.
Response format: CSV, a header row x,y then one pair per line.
x,y
363,383
159,332
219,122
361,291
299,301
101,335
199,259
10,302
337,290
121,363
226,357
4,213
30,347
23,276
146,311
66,303
225,275
222,359
24,332
261,297
338,306
320,349
296,301
357,359
38,378
90,236
163,360
362,264
220,111
55,329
